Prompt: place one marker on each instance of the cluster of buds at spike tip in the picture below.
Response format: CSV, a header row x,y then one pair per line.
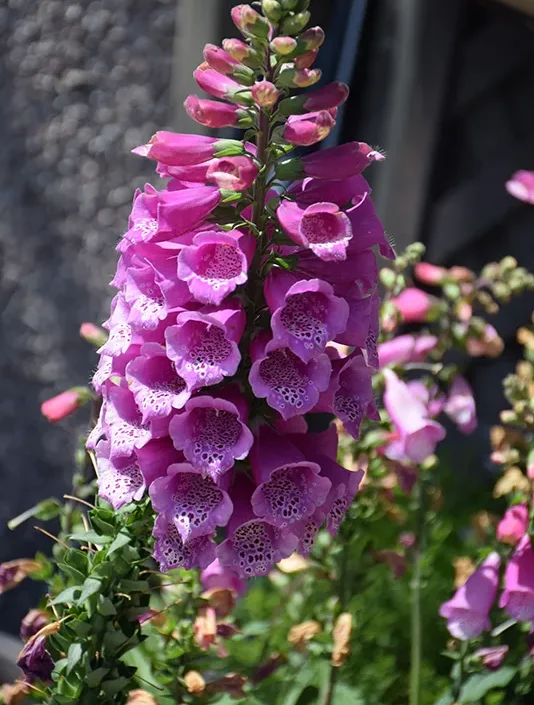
x,y
233,303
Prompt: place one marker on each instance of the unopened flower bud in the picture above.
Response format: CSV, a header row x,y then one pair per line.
x,y
295,23
301,634
265,94
299,78
428,273
289,4
223,63
461,274
325,98
14,572
66,403
194,683
93,334
250,22
140,697
388,277
32,623
341,635
311,39
308,129
306,60
492,657
284,46
214,113
242,52
507,264
272,10
521,186
501,291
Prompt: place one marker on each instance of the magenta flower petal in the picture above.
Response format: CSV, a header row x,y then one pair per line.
x,y
518,594
406,348
326,230
310,128
121,481
467,613
232,173
192,501
367,229
353,398
514,524
156,457
290,385
123,424
211,113
340,162
171,552
211,434
521,186
220,577
306,314
307,530
460,406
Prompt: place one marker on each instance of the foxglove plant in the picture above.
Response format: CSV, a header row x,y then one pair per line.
x,y
233,289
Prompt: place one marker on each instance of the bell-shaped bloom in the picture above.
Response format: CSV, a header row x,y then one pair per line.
x,y
176,149
232,173
460,406
289,487
357,330
156,386
406,348
514,524
216,263
204,345
325,98
35,661
307,530
253,545
290,385
221,86
212,113
191,500
518,594
212,435
171,552
467,613
418,434
220,577
65,404
306,314
492,657
147,304
521,186
156,457
120,480
415,305
120,331
429,274
340,162
308,129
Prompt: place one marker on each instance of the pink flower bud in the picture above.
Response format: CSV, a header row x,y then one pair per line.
x,y
306,60
330,96
341,162
220,61
305,130
428,273
66,403
312,38
93,334
242,52
492,657
514,524
414,305
521,186
299,78
460,406
518,594
461,274
250,22
284,45
221,86
233,173
265,94
406,348
212,113
174,149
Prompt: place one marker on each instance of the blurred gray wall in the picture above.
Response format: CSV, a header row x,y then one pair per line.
x,y
81,83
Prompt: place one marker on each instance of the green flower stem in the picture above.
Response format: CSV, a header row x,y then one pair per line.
x,y
416,622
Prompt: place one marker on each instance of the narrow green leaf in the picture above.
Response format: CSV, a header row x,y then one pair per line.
x,y
106,607
67,595
94,678
122,539
114,686
89,588
90,537
74,656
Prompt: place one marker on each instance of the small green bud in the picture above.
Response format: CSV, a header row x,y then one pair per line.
x,y
228,196
296,23
289,4
284,46
490,271
228,148
451,290
416,248
311,39
240,51
289,262
507,264
501,291
298,78
303,5
272,10
250,22
388,277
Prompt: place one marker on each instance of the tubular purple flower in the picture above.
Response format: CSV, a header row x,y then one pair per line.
x,y
216,263
419,435
219,60
212,113
156,386
289,487
518,595
335,163
460,406
174,149
406,348
120,481
35,661
223,87
155,457
233,173
325,98
253,545
171,552
204,345
467,613
305,313
219,577
212,434
191,501
290,385
308,129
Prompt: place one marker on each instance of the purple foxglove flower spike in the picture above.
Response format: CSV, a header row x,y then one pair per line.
x,y
171,552
120,481
192,501
406,348
460,406
306,314
419,435
253,545
289,487
203,348
156,386
216,263
212,434
467,613
290,385
518,594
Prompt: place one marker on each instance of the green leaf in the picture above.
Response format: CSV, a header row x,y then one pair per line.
x,y
94,678
478,685
345,695
129,586
114,686
89,588
74,656
122,539
106,607
445,699
90,537
67,595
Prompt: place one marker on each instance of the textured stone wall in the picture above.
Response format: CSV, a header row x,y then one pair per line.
x,y
81,83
